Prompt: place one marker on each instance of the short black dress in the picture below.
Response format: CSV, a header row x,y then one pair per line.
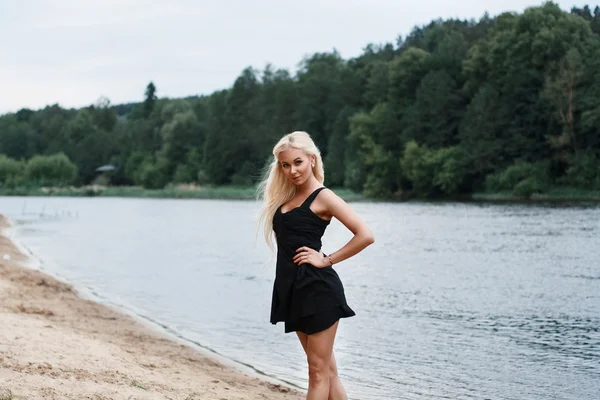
x,y
308,299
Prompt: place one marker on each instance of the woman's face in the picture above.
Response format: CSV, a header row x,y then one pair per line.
x,y
296,165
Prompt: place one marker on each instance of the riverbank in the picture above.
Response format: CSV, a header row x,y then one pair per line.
x,y
554,194
249,193
56,345
169,192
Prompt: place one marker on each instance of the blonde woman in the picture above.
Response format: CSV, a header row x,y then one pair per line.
x,y
308,295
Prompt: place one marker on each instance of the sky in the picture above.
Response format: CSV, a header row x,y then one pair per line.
x,y
72,52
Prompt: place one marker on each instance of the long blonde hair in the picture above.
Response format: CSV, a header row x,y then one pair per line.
x,y
276,189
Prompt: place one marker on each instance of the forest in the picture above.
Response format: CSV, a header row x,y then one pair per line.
x,y
504,104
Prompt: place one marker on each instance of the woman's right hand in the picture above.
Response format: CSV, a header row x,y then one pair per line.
x,y
306,255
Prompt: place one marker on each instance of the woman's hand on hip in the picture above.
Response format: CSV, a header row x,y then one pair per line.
x,y
306,255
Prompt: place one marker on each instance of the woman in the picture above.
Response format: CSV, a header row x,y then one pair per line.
x,y
308,295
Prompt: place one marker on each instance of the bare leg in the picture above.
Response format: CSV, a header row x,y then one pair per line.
x,y
321,341
336,389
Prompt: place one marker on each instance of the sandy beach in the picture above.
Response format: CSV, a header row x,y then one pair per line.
x,y
55,344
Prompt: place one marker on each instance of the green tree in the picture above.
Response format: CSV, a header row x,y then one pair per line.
x,y
434,172
152,174
103,114
215,145
24,115
369,165
277,107
481,134
95,150
180,136
232,142
587,123
583,172
405,74
521,178
319,86
150,99
17,139
434,117
48,125
11,171
335,159
86,145
54,170
133,164
378,81
417,168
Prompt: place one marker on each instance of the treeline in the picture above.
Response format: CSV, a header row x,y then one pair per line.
x,y
510,103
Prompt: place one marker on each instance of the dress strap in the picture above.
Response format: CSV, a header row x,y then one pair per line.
x,y
311,197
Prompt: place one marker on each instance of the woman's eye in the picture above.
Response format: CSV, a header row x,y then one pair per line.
x,y
298,162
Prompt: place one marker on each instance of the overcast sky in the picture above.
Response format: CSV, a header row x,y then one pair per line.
x,y
72,52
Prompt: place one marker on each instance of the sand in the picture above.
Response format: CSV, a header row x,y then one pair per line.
x,y
54,344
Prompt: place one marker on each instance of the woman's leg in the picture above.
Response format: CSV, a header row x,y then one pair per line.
x,y
336,389
319,352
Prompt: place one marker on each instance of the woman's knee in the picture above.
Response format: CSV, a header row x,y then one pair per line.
x,y
333,373
319,369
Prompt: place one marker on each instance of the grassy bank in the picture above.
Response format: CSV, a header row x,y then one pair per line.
x,y
553,194
170,192
249,193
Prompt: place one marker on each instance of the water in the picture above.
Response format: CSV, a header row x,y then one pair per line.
x,y
453,300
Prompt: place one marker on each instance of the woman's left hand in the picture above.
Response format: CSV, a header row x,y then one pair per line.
x,y
306,255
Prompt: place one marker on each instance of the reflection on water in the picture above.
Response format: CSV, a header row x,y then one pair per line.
x,y
475,301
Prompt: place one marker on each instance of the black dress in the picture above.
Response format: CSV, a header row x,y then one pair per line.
x,y
308,299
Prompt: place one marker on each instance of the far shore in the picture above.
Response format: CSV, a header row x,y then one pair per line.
x,y
232,192
54,344
170,192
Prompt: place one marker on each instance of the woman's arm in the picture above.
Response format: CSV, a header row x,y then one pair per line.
x,y
363,236
333,205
